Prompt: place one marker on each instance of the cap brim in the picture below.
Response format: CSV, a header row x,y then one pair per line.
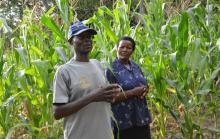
x,y
89,30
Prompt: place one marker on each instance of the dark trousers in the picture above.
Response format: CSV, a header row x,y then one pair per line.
x,y
142,132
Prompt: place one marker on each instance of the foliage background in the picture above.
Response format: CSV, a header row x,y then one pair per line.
x,y
178,48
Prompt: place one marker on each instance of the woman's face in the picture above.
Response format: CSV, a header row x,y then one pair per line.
x,y
124,50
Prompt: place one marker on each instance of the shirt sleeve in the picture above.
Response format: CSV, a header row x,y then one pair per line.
x,y
110,76
60,89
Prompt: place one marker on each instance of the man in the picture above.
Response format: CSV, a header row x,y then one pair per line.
x,y
81,93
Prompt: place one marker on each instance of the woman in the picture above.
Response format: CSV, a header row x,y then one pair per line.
x,y
130,107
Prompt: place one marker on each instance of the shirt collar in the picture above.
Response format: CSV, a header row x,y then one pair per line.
x,y
119,64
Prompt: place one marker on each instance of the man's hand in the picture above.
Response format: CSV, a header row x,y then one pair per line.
x,y
107,93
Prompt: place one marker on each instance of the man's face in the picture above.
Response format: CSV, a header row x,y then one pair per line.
x,y
83,43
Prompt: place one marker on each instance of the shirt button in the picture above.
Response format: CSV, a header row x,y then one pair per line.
x,y
123,104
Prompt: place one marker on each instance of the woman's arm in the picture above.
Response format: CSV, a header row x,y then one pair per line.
x,y
140,91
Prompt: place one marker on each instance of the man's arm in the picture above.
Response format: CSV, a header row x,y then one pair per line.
x,y
100,94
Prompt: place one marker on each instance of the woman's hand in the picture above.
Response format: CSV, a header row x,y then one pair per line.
x,y
146,89
140,91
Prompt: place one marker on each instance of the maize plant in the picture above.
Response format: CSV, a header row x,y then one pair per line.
x,y
178,52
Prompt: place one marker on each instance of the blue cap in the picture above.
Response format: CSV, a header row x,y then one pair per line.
x,y
77,28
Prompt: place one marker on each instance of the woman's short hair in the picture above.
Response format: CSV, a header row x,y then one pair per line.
x,y
127,38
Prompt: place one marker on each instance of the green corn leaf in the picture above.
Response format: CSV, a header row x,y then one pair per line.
x,y
2,41
22,55
62,55
173,59
183,34
215,73
4,25
63,6
203,92
106,10
9,76
173,36
218,44
49,22
42,68
37,51
203,66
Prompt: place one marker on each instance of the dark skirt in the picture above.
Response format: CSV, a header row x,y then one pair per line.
x,y
142,132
